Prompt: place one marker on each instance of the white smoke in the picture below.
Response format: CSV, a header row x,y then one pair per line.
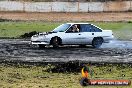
x,y
118,44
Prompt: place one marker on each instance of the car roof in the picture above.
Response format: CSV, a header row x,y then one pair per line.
x,y
77,23
85,23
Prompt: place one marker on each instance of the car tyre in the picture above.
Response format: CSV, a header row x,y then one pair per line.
x,y
97,42
55,42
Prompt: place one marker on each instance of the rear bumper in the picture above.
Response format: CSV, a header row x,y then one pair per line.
x,y
108,39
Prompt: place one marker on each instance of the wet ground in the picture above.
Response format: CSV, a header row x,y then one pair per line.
x,y
21,50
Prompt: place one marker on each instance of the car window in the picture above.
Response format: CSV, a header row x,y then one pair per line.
x,y
61,28
89,28
69,30
95,29
74,28
85,28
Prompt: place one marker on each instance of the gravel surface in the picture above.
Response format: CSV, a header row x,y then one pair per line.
x,y
107,16
22,50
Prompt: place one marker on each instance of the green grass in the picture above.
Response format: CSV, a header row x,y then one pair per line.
x,y
15,29
27,76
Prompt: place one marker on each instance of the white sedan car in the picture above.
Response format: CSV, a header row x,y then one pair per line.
x,y
73,34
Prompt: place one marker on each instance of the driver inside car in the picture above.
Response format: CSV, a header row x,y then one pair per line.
x,y
75,28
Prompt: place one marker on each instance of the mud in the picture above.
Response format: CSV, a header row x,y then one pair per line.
x,y
28,35
22,50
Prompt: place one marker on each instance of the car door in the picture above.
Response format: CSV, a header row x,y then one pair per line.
x,y
96,31
87,33
71,37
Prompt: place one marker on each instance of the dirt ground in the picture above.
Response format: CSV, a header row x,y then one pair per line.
x,y
110,16
22,50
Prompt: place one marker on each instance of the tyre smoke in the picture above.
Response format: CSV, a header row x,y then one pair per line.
x,y
118,44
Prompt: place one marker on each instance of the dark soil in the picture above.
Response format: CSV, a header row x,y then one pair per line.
x,y
22,50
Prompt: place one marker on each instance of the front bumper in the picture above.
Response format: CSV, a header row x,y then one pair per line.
x,y
39,40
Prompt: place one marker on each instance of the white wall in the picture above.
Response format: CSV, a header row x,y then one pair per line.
x,y
65,6
116,6
11,6
95,7
83,7
38,7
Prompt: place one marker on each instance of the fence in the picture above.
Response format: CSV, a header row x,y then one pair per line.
x,y
65,6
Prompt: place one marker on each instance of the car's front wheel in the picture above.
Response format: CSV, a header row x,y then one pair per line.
x,y
97,42
55,42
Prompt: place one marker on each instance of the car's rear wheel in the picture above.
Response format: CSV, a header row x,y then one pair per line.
x,y
97,42
55,42
41,46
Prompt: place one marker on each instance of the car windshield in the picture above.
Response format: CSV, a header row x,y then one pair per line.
x,y
61,28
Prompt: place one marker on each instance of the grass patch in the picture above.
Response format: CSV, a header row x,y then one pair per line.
x,y
34,76
15,29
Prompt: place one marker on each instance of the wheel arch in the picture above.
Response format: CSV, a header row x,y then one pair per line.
x,y
60,40
98,37
97,44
